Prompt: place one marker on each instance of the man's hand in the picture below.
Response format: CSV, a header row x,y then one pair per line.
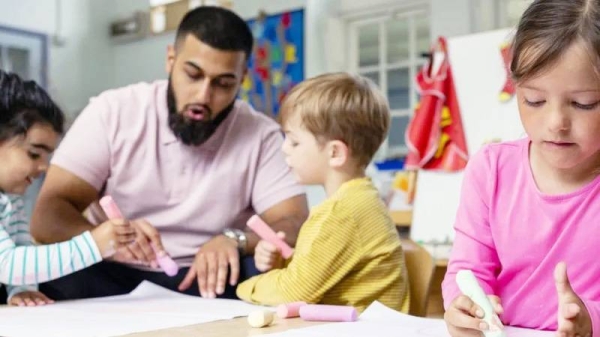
x,y
573,317
145,247
211,265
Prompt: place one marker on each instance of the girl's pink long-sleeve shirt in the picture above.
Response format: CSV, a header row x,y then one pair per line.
x,y
512,236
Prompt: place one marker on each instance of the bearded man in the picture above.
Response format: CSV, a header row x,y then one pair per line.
x,y
185,161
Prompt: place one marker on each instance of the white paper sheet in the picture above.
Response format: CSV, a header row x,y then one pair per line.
x,y
149,307
381,321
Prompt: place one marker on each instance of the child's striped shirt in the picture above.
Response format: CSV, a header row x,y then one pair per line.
x,y
23,264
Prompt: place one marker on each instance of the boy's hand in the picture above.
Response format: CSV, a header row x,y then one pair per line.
x,y
267,256
30,299
465,318
573,317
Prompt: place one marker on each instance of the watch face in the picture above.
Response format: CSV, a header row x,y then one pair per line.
x,y
231,234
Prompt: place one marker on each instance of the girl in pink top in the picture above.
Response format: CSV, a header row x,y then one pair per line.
x,y
528,224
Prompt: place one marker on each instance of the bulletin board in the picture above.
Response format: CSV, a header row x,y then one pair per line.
x,y
277,60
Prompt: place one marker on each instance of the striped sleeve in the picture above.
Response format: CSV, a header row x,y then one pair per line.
x,y
17,225
27,264
326,251
20,238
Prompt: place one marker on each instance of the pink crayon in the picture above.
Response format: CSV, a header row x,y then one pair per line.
x,y
110,208
328,313
164,261
266,233
289,310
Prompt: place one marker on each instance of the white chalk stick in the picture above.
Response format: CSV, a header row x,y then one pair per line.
x,y
468,285
261,318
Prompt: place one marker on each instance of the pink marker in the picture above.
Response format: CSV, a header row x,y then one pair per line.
x,y
164,261
328,313
110,208
289,310
266,233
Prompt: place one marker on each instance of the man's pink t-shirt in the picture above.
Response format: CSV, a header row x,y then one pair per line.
x,y
121,144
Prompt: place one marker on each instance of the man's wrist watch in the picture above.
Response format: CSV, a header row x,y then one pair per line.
x,y
239,236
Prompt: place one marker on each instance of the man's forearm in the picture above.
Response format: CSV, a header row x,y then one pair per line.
x,y
57,220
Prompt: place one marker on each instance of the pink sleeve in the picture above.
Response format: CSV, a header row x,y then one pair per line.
x,y
473,246
274,181
593,308
85,149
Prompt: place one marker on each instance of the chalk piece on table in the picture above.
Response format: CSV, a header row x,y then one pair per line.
x,y
328,313
261,318
289,310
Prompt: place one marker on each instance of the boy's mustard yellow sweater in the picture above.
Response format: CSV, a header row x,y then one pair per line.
x,y
348,253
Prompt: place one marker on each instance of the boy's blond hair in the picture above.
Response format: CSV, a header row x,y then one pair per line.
x,y
341,106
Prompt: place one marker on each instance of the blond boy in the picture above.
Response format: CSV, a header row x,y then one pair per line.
x,y
348,251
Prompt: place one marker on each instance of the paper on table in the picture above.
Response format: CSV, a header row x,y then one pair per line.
x,y
148,307
379,320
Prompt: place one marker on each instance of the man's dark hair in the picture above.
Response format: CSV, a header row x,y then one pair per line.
x,y
218,27
23,104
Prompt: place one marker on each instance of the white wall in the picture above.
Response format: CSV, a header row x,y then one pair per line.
x,y
89,63
145,60
450,18
324,37
83,66
142,60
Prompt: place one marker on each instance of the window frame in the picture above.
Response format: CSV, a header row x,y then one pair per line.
x,y
412,64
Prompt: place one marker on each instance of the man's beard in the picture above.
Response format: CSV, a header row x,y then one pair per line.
x,y
192,132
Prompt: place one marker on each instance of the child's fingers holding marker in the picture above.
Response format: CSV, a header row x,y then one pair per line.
x,y
124,232
266,259
265,248
262,264
496,303
468,306
463,318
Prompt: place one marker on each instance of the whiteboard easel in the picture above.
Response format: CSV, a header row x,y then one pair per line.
x,y
479,76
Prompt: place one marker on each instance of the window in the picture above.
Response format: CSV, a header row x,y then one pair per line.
x,y
24,53
388,50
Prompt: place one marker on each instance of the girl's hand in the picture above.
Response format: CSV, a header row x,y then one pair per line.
x,y
30,299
